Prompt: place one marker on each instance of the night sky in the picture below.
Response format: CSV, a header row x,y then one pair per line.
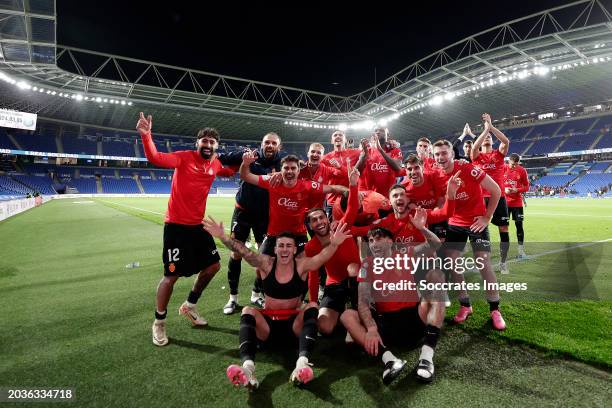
x,y
325,46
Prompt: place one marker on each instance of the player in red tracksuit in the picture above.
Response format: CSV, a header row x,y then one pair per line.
x,y
344,265
188,248
470,221
379,162
516,182
339,158
492,163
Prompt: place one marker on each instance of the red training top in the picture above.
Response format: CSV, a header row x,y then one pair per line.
x,y
191,182
493,164
516,177
288,205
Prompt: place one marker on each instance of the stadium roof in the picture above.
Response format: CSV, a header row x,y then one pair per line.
x,y
542,62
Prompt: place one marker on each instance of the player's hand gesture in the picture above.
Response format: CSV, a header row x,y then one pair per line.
x,y
353,174
335,163
364,145
339,234
376,142
372,340
213,227
144,125
453,185
276,179
419,220
249,157
480,223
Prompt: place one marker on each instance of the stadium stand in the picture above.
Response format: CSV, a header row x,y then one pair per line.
x,y
79,145
155,186
600,167
555,180
36,142
40,184
82,185
119,186
118,147
591,183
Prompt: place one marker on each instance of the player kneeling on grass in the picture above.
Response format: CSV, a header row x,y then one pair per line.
x,y
284,284
392,315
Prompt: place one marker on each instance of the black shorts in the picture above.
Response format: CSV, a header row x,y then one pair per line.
x,y
500,216
516,213
456,237
188,249
269,242
403,327
281,331
336,295
439,229
243,222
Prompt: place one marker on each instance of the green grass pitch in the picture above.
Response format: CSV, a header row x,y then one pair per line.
x,y
74,316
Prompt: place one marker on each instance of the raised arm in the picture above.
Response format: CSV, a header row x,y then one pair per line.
x,y
475,152
419,220
352,206
333,188
260,261
166,160
503,140
245,168
363,155
396,165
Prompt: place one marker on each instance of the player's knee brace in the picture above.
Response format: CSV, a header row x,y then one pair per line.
x,y
247,337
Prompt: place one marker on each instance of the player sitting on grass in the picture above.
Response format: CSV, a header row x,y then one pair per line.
x,y
283,317
388,317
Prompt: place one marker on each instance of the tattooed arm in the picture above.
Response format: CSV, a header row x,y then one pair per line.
x,y
259,261
372,337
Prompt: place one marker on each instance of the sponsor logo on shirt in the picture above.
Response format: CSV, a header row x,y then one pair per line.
x,y
404,240
288,203
379,167
462,196
489,166
424,203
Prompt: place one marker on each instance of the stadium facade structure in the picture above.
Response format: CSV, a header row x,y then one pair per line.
x,y
541,63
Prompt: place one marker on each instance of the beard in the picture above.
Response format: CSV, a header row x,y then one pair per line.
x,y
206,153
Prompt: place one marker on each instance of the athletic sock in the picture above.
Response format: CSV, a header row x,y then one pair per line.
x,y
233,275
308,336
465,302
247,337
258,285
388,356
160,316
193,298
249,365
520,233
432,333
493,305
234,298
504,245
255,295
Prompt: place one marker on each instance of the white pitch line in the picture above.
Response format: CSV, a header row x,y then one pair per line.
x,y
133,208
556,251
567,215
139,209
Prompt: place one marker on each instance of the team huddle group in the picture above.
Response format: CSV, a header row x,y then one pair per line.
x,y
426,205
